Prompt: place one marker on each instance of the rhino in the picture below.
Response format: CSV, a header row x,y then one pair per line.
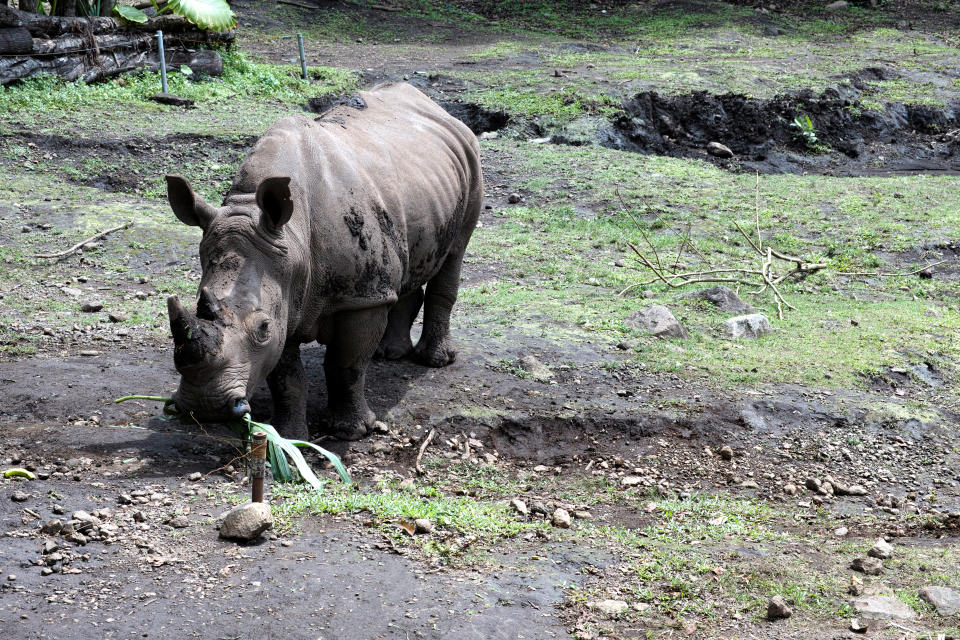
x,y
336,229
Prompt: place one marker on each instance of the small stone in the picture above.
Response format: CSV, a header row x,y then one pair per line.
x,y
51,527
20,496
380,426
582,515
422,526
514,198
882,608
868,566
89,353
536,369
561,519
520,506
837,6
630,481
749,326
749,484
247,521
179,522
881,549
91,306
859,626
726,452
609,607
195,476
117,317
856,490
777,609
172,100
139,516
659,321
719,150
46,571
790,489
945,600
841,532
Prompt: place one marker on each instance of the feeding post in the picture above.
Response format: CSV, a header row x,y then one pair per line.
x,y
258,465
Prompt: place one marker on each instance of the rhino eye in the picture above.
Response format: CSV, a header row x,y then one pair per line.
x,y
262,333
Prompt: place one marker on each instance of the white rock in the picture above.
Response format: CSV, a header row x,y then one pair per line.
x,y
537,370
608,607
247,521
881,549
753,325
520,506
719,150
561,519
659,321
837,6
882,608
944,599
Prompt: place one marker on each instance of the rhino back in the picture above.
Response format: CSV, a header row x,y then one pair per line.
x,y
383,194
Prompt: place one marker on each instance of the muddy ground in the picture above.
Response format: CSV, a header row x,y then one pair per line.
x,y
696,491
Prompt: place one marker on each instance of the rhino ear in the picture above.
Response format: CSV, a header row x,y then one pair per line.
x,y
188,208
273,198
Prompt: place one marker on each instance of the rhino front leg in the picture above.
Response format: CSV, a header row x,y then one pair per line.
x,y
396,342
286,383
355,338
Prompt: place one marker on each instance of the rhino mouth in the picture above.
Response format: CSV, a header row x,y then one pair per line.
x,y
214,406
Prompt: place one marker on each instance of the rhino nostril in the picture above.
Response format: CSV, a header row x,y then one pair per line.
x,y
240,407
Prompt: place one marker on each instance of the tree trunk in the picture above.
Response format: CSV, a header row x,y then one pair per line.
x,y
28,5
106,8
67,8
15,40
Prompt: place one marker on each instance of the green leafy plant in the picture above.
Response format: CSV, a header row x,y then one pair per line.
x,y
803,131
213,15
279,449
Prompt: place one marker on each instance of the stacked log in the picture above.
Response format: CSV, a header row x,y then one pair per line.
x,y
90,49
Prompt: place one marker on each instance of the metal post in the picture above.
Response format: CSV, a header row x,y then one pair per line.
x,y
303,57
258,464
163,62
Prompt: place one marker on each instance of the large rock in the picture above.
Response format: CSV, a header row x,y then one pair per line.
x,y
753,325
945,600
247,521
724,298
882,608
658,320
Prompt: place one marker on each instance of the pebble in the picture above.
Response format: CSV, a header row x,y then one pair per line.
x,y
514,198
179,522
868,566
726,452
945,600
719,150
790,489
777,609
422,526
608,607
841,532
247,521
520,506
195,476
91,306
20,496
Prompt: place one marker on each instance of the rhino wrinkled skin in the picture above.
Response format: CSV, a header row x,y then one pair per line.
x,y
331,231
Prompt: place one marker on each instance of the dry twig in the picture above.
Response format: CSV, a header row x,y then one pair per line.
x,y
80,244
423,447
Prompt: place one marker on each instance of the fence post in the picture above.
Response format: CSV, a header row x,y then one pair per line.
x,y
258,464
163,62
303,57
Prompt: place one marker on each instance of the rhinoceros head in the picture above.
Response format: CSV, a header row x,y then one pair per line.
x,y
234,339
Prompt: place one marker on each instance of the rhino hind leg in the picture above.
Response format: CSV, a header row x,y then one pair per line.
x,y
396,342
286,383
435,348
354,341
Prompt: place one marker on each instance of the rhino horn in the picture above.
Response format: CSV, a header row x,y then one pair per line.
x,y
208,307
179,321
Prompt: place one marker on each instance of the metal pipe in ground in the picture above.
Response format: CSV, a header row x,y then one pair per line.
x,y
303,57
163,62
258,460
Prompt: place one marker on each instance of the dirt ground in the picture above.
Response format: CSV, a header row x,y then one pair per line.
x,y
693,501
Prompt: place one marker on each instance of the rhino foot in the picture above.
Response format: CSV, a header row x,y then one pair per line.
x,y
393,350
439,354
349,426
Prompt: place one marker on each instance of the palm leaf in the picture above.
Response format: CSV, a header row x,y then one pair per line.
x,y
214,15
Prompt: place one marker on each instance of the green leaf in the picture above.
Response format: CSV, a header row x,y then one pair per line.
x,y
185,70
214,15
279,449
129,13
329,455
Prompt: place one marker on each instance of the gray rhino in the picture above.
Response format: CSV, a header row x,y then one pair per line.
x,y
330,232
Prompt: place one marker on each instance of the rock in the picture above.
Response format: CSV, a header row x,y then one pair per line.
x,y
195,476
608,607
790,489
945,600
520,506
514,198
837,6
91,306
881,549
46,571
748,326
658,320
561,519
856,490
841,532
247,521
380,426
19,496
882,608
582,515
749,484
51,527
777,609
422,526
859,626
536,369
726,452
630,481
172,100
49,547
868,566
179,522
117,317
719,150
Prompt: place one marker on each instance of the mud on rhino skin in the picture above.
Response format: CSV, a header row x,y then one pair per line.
x,y
336,230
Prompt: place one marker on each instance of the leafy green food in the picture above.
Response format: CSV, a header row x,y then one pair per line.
x,y
131,14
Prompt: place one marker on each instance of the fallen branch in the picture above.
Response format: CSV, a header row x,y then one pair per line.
x,y
302,5
384,7
886,274
423,447
80,244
